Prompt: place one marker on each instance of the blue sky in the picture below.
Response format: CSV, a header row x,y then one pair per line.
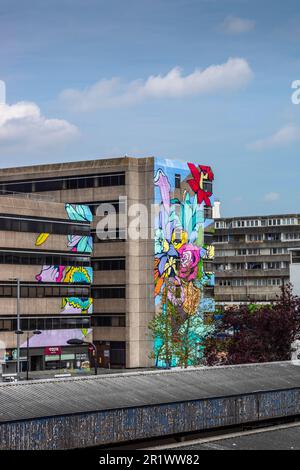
x,y
207,81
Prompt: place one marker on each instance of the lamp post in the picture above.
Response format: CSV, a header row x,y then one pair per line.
x,y
80,342
18,331
35,332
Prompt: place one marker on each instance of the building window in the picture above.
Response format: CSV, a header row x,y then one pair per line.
x,y
254,266
34,258
109,320
255,237
292,236
109,292
45,323
16,224
273,265
45,291
271,237
208,213
109,264
66,182
177,181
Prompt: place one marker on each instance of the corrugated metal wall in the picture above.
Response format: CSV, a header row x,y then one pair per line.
x,y
106,427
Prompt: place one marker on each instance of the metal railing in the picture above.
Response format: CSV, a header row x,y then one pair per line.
x,y
36,196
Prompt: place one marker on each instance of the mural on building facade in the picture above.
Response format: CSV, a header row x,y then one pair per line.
x,y
68,274
77,305
80,213
76,243
181,283
71,274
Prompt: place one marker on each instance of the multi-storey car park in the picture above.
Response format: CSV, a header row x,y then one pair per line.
x,y
133,278
252,256
45,284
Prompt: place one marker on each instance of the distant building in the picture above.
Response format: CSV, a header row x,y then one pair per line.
x,y
252,257
47,247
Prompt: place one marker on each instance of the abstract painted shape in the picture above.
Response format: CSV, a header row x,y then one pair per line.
x,y
79,212
80,243
68,274
41,239
204,173
77,305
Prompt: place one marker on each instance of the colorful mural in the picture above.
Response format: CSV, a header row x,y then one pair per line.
x,y
77,243
77,305
80,213
181,253
69,274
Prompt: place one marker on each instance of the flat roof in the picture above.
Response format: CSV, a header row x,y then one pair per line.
x,y
74,164
59,397
284,437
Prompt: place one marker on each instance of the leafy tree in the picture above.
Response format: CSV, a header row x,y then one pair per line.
x,y
260,333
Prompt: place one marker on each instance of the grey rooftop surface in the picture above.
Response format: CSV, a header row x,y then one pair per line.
x,y
284,438
61,397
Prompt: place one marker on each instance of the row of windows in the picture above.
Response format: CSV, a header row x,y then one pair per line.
x,y
44,291
109,320
292,236
256,223
109,292
51,323
67,182
251,266
252,252
249,282
38,226
109,264
42,259
257,237
249,252
102,292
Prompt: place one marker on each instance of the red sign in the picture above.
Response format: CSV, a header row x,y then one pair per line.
x,y
52,351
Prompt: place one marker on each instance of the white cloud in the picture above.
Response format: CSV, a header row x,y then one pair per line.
x,y
23,125
284,136
272,197
233,74
236,25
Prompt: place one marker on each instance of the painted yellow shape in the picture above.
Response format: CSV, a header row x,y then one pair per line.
x,y
41,238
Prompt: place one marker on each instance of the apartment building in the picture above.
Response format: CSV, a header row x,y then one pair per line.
x,y
252,256
45,254
130,275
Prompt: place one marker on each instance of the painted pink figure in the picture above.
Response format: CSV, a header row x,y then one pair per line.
x,y
189,260
51,274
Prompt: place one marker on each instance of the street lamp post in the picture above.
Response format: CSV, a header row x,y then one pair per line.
x,y
18,332
80,342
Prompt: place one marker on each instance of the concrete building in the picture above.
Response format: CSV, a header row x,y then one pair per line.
x,y
45,250
252,256
126,288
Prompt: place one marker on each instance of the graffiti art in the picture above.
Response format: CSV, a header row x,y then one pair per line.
x,y
180,256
